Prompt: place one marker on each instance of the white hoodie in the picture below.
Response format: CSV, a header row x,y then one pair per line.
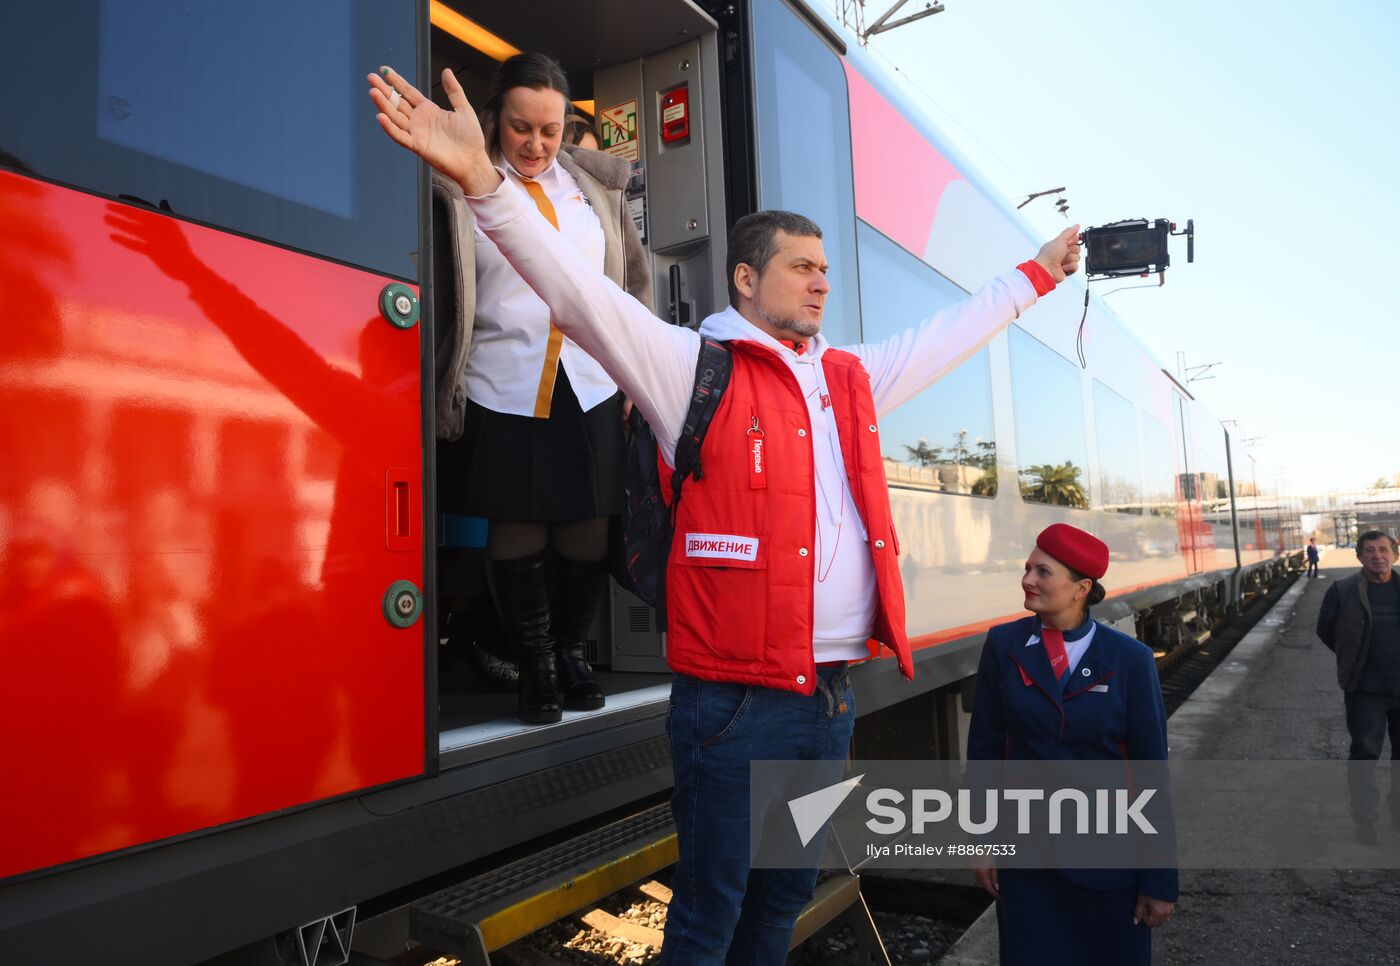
x,y
844,589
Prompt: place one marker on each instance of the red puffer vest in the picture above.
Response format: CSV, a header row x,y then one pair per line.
x,y
740,577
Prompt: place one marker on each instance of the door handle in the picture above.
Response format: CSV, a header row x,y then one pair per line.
x,y
677,310
403,509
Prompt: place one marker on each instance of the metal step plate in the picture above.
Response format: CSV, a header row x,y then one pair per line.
x,y
490,911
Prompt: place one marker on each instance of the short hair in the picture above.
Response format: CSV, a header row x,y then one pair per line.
x,y
1370,535
575,127
538,72
753,241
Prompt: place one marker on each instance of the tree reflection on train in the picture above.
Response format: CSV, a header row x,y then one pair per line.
x,y
963,466
302,708
1055,484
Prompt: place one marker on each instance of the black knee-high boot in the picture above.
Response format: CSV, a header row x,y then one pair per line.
x,y
580,588
522,593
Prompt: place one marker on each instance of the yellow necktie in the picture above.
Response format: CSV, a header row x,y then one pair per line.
x,y
545,395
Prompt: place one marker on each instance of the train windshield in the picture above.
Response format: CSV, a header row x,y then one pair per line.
x,y
152,102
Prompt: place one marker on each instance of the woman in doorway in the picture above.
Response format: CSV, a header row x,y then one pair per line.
x,y
1059,686
539,423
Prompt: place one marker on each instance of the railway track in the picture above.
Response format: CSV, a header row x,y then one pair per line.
x,y
1183,669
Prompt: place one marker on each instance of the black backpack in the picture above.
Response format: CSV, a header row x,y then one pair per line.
x,y
648,524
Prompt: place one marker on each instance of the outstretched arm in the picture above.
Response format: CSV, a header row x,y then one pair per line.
x,y
653,363
906,364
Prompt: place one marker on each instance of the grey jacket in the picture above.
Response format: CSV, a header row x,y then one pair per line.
x,y
1344,625
602,178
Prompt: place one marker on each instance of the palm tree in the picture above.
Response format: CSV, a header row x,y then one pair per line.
x,y
986,457
1055,485
924,454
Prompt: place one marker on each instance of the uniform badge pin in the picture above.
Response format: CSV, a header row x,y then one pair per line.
x,y
1085,672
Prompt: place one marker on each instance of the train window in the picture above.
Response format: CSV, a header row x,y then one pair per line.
x,y
1049,404
1159,494
1120,469
248,116
804,148
944,439
1214,478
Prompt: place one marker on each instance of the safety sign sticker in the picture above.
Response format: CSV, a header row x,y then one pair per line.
x,y
619,129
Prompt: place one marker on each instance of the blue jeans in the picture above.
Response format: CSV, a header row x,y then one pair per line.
x,y
722,911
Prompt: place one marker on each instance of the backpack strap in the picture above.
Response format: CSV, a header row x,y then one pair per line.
x,y
712,370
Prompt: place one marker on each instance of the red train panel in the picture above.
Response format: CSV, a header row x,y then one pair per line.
x,y
198,431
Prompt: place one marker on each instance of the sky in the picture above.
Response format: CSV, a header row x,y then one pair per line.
x,y
1273,125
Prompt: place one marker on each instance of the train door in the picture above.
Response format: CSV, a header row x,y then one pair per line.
x,y
647,76
211,499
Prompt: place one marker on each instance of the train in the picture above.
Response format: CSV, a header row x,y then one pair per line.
x,y
231,726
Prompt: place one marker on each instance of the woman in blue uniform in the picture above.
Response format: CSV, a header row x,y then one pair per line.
x,y
1059,686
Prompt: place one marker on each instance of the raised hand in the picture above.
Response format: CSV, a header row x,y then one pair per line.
x,y
450,141
1060,255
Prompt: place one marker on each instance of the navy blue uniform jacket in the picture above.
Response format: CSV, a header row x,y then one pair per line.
x,y
1039,721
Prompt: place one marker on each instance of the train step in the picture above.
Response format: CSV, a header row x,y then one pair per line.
x,y
475,918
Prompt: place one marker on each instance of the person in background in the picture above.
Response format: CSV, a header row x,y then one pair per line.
x,y
1360,622
1312,556
1059,672
537,422
581,132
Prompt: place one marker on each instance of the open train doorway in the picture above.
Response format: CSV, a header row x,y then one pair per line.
x,y
645,80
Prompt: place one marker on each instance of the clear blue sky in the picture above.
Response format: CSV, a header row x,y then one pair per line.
x,y
1274,126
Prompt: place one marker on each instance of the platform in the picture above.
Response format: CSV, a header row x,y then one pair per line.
x,y
1275,697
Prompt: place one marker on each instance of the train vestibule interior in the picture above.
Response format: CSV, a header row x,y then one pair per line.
x,y
627,73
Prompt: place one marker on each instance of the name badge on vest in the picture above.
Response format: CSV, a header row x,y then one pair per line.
x,y
758,476
721,546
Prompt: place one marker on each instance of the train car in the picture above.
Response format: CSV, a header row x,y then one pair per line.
x,y
224,577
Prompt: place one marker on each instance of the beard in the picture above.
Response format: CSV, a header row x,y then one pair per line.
x,y
797,327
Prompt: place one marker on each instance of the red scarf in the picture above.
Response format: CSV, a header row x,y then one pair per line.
x,y
1055,650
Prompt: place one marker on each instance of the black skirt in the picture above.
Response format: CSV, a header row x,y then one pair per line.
x,y
508,467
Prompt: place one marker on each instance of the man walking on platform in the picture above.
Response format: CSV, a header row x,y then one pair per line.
x,y
1360,622
1312,557
783,567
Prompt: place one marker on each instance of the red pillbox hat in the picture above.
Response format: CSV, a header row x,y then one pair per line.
x,y
1077,550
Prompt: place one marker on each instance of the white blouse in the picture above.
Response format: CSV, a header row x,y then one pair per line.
x,y
506,365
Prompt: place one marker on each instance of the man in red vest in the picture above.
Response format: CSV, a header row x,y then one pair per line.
x,y
783,567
